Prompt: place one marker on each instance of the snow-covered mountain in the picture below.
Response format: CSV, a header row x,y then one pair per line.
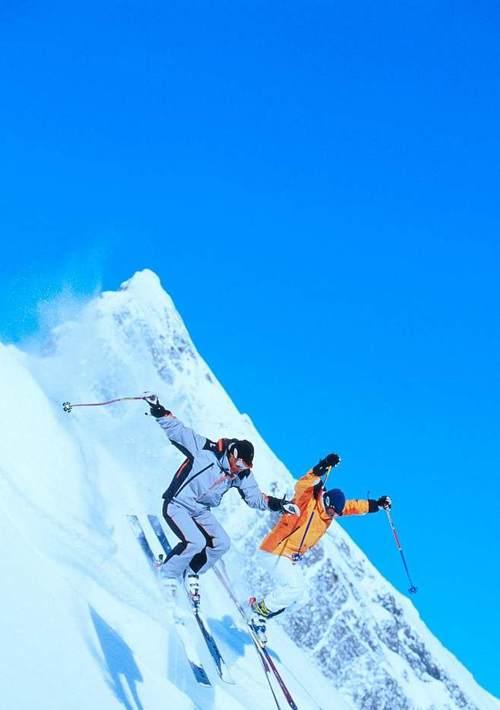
x,y
84,620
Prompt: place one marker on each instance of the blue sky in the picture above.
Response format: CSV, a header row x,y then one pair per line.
x,y
317,186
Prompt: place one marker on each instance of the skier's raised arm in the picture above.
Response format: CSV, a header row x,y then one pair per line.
x,y
314,476
181,436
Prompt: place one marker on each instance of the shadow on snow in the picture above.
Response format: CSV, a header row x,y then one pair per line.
x,y
122,668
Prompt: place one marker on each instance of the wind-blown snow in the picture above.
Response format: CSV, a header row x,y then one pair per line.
x,y
85,625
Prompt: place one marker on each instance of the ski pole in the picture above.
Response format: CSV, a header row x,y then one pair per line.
x,y
298,554
67,406
412,588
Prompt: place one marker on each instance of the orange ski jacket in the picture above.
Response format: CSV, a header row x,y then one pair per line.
x,y
294,535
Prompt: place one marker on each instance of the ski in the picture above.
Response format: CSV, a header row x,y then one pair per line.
x,y
264,654
184,636
213,649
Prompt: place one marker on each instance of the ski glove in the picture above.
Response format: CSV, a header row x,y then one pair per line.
x,y
329,461
288,507
384,502
157,410
282,505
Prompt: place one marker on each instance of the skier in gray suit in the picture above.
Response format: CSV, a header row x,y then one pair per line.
x,y
209,470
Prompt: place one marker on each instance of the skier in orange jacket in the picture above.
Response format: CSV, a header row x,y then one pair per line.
x,y
294,534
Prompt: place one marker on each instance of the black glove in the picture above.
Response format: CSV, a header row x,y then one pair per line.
x,y
282,505
157,410
384,502
330,460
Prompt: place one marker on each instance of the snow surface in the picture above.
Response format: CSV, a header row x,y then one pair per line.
x,y
84,623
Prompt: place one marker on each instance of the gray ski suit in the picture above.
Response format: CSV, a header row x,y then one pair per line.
x,y
197,486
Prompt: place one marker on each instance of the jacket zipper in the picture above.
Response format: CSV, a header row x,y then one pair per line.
x,y
192,479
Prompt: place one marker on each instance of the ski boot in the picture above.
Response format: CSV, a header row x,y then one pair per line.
x,y
258,619
192,584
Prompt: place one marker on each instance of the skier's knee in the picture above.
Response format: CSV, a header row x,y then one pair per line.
x,y
196,546
223,544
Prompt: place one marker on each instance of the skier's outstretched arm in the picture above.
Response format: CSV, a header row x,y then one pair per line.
x,y
254,498
181,436
360,506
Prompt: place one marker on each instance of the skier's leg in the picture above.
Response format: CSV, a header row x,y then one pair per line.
x,y
191,542
217,542
287,578
288,586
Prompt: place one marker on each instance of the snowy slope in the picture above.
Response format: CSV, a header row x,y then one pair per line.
x,y
84,620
